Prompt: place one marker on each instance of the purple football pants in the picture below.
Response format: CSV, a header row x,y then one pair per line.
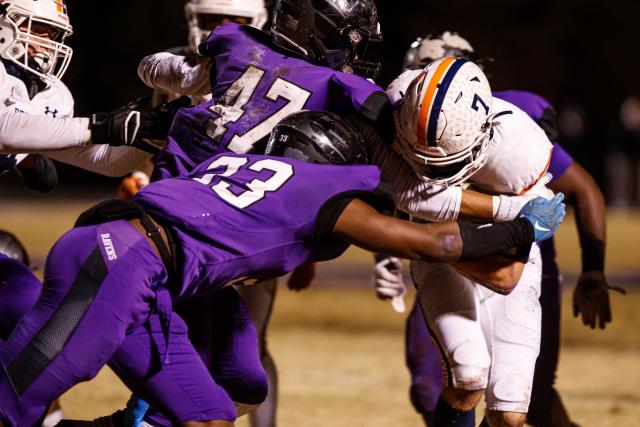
x,y
104,300
423,358
19,291
221,330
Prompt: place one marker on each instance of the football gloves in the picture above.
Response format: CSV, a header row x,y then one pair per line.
x,y
591,299
388,281
135,126
544,215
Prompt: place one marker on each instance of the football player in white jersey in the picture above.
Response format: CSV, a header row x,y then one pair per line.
x,y
591,297
36,113
453,132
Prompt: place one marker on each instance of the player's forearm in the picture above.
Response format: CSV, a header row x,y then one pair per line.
x,y
176,74
24,133
476,206
495,272
590,210
103,159
445,242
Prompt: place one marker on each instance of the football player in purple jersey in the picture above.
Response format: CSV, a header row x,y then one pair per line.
x,y
236,219
591,298
19,291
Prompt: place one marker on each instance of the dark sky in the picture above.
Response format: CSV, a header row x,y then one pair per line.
x,y
584,51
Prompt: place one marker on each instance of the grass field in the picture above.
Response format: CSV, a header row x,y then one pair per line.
x,y
340,351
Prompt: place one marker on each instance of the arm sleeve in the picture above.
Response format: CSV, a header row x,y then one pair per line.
x,y
380,199
176,73
24,133
103,159
411,194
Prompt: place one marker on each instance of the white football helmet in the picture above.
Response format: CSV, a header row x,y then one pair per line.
x,y
444,121
18,18
435,46
204,15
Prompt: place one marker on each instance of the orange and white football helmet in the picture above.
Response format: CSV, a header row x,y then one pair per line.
x,y
47,57
444,121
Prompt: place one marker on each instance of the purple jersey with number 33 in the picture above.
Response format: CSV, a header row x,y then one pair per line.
x,y
254,86
241,218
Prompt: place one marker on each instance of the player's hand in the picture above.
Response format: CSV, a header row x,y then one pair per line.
x,y
130,185
545,215
388,282
302,277
591,299
136,126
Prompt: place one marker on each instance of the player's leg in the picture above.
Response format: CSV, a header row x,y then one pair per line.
x,y
176,383
512,324
100,280
451,307
425,366
546,408
19,291
235,360
259,301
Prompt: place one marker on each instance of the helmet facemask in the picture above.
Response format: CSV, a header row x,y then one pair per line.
x,y
47,57
452,169
205,15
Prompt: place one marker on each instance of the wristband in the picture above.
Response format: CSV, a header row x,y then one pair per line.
x,y
506,208
592,254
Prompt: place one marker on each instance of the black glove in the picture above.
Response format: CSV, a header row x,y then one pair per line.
x,y
135,126
591,299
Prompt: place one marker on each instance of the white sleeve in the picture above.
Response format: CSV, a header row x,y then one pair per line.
x,y
103,159
176,74
413,195
25,133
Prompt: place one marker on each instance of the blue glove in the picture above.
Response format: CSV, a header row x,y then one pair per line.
x,y
135,412
545,215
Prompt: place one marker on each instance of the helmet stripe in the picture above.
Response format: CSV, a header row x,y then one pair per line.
x,y
427,100
439,99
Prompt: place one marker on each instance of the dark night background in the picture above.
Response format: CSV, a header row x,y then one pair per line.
x,y
572,52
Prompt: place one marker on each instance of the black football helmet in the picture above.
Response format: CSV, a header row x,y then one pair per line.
x,y
11,247
333,33
318,137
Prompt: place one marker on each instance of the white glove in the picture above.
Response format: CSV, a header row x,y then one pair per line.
x,y
507,208
389,283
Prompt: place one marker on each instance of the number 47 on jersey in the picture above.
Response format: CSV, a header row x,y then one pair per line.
x,y
237,100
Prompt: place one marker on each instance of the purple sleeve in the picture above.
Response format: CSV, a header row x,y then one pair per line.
x,y
560,162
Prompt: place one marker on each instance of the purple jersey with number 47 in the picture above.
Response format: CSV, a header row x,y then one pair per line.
x,y
254,86
238,219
